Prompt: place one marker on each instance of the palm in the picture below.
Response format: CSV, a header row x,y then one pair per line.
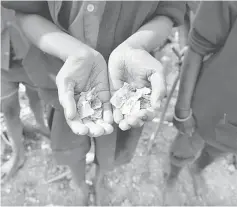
x,y
137,66
93,75
81,75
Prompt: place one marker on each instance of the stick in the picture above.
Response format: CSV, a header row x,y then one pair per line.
x,y
157,130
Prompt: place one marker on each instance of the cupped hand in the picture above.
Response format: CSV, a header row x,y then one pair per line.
x,y
137,67
80,74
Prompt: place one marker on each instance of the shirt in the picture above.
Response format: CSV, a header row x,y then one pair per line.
x,y
104,25
212,25
215,97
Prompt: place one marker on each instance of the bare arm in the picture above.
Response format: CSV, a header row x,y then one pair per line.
x,y
189,74
49,38
152,35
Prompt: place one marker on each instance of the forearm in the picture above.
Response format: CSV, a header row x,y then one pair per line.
x,y
189,74
152,35
49,38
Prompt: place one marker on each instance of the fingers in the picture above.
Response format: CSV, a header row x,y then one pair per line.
x,y
158,87
69,105
147,114
95,130
66,97
123,125
77,126
134,121
108,128
115,69
118,116
107,113
90,128
138,120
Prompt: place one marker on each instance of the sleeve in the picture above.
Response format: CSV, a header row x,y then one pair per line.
x,y
29,7
211,26
175,10
24,6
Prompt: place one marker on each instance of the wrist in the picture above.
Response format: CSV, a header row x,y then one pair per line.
x,y
182,113
80,53
150,37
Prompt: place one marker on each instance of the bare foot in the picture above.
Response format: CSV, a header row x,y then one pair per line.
x,y
170,197
199,184
10,168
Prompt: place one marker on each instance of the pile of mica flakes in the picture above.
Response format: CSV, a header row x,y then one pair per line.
x,y
89,105
128,99
131,100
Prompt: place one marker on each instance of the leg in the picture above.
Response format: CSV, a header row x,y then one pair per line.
x,y
104,159
183,151
111,151
70,149
79,178
37,108
208,156
126,145
169,195
11,110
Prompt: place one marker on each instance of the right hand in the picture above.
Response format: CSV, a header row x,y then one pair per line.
x,y
81,73
137,67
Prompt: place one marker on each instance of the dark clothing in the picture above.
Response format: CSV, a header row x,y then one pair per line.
x,y
215,97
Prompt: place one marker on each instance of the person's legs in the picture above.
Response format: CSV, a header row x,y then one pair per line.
x,y
126,145
208,156
70,149
104,159
183,151
112,151
37,107
10,107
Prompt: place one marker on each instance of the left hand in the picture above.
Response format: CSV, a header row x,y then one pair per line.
x,y
187,126
138,67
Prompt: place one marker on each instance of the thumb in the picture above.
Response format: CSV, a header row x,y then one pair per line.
x,y
66,98
116,71
158,87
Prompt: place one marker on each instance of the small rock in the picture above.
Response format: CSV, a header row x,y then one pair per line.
x,y
231,168
126,203
116,180
8,190
72,185
61,186
89,182
166,122
45,146
32,200
170,124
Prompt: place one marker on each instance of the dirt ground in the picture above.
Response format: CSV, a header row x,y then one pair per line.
x,y
138,183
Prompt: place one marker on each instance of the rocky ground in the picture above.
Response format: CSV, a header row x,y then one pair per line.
x,y
138,183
